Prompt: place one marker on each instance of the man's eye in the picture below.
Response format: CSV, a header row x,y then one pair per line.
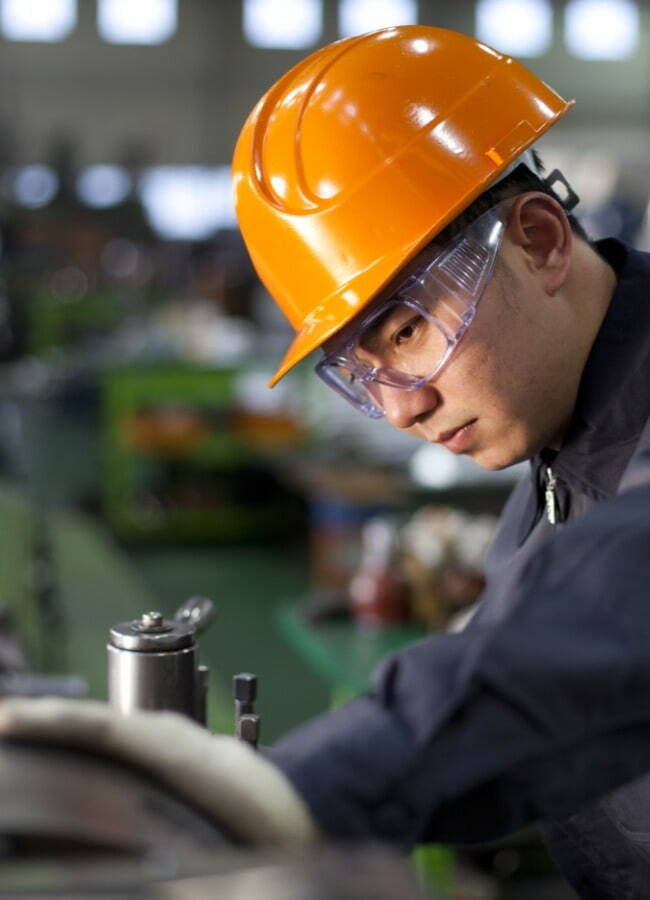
x,y
407,331
347,376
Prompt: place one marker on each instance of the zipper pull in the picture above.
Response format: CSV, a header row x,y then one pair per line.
x,y
549,496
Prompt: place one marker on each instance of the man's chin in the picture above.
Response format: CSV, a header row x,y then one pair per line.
x,y
496,459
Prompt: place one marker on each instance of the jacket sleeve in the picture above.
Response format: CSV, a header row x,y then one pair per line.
x,y
467,737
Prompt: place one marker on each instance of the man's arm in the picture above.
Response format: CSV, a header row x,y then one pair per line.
x,y
466,737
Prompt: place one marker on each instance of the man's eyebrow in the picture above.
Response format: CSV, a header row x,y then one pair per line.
x,y
374,327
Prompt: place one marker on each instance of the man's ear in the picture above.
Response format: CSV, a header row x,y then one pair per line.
x,y
539,227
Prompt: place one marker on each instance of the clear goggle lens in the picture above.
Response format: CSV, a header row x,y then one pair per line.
x,y
407,339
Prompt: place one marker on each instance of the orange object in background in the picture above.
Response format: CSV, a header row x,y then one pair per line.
x,y
379,595
166,430
271,431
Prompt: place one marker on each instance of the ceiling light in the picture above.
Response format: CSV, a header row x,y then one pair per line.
x,y
187,202
137,21
359,16
282,23
515,27
34,186
37,20
103,186
601,29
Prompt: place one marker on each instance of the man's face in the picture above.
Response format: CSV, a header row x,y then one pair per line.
x,y
506,392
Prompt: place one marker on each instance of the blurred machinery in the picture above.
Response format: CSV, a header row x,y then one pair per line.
x,y
76,824
81,826
185,458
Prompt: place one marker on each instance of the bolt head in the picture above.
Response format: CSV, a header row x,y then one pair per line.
x,y
245,686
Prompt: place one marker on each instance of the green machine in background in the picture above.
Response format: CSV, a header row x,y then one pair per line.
x,y
63,583
183,459
64,321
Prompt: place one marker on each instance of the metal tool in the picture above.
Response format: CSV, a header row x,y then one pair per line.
x,y
247,722
153,661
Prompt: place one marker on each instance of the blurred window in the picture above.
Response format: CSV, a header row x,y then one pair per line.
x,y
357,16
187,202
34,186
515,27
137,21
601,29
282,23
102,186
37,20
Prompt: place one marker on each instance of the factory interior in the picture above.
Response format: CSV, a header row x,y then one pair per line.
x,y
143,459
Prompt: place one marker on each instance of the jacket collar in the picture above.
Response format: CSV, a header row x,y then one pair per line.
x,y
614,395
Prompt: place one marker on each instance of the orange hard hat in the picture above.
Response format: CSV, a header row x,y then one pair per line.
x,y
363,152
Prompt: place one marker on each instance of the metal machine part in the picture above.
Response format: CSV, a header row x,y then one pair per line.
x,y
329,873
153,662
247,722
71,821
244,689
76,825
196,611
31,684
248,729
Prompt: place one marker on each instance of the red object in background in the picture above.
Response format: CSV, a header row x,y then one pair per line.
x,y
379,595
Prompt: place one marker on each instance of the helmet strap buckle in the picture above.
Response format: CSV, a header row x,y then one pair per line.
x,y
567,197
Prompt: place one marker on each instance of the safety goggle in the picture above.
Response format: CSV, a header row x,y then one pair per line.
x,y
404,341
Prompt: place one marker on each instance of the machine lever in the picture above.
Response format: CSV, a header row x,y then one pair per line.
x,y
196,611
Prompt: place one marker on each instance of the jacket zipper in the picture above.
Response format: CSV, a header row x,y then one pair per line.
x,y
549,495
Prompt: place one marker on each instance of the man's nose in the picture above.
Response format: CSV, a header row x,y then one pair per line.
x,y
404,408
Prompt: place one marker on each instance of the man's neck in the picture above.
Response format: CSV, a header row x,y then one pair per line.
x,y
590,285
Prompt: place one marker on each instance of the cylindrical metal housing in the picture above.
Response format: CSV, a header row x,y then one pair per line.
x,y
149,680
153,665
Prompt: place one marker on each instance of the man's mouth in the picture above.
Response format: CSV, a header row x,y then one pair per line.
x,y
457,439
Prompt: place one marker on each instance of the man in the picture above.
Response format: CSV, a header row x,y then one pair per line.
x,y
393,206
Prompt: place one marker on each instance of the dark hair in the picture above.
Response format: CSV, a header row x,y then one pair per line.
x,y
519,181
